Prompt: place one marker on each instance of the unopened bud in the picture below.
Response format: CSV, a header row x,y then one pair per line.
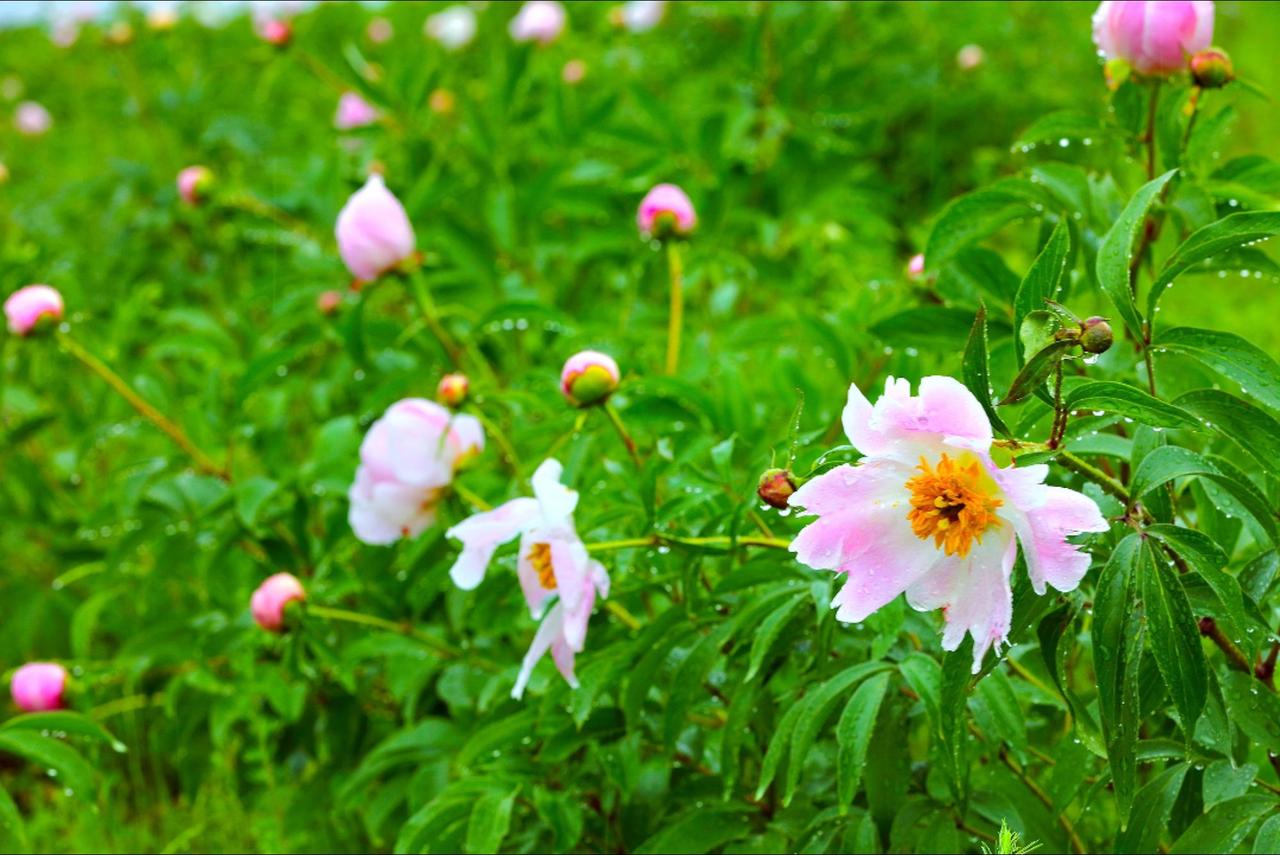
x,y
328,302
453,390
194,184
589,377
1095,335
442,102
776,487
39,687
268,602
33,308
1212,69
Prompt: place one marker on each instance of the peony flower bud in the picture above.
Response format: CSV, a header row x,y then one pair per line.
x,y
441,102
453,28
39,686
374,232
268,602
379,31
275,31
970,57
776,487
354,112
1154,36
573,72
329,302
453,390
1212,69
640,16
589,377
666,211
194,184
28,306
1095,335
538,21
32,119
915,267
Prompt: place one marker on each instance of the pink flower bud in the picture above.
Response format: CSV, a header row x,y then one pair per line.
x,y
574,71
268,602
194,184
275,31
640,16
27,306
538,21
328,302
915,267
374,233
453,390
453,28
1212,69
589,377
379,31
441,102
775,487
1154,36
32,119
39,686
970,57
354,112
664,211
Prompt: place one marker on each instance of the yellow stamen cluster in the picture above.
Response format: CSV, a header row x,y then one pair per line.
x,y
953,504
540,558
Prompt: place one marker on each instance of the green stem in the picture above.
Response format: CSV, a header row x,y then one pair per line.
x,y
250,204
1093,473
675,320
427,306
442,647
1151,130
672,540
470,497
507,450
630,443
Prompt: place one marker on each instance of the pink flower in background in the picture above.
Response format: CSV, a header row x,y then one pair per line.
x,y
1154,36
573,72
27,306
39,686
379,31
452,390
589,377
194,183
970,57
354,112
32,119
453,28
640,16
275,31
538,21
666,209
328,302
915,267
268,602
374,233
407,459
926,511
552,561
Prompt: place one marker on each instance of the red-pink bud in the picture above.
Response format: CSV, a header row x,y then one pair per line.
x,y
453,390
276,31
1212,69
573,72
39,686
589,377
775,487
268,602
379,31
915,267
194,184
665,211
328,302
354,112
28,306
374,233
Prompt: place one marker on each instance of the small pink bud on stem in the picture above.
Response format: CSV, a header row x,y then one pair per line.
x,y
775,487
453,390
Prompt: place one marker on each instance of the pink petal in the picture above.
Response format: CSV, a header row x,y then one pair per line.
x,y
843,498
483,533
891,559
548,633
557,501
1043,531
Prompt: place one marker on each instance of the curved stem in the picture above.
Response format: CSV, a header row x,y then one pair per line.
x,y
470,497
630,443
203,461
506,449
672,540
675,321
250,204
441,646
431,316
1093,473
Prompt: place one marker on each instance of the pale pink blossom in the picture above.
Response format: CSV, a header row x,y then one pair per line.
x,y
666,208
354,112
374,233
275,31
453,28
915,267
407,459
1154,36
194,183
927,512
268,602
553,561
39,686
379,31
970,57
32,119
640,16
589,377
538,21
574,71
27,306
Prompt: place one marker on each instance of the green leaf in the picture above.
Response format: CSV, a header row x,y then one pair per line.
x,y
1235,230
1169,462
11,825
1268,839
1207,559
1252,708
64,721
1231,356
924,675
1063,125
766,637
55,757
853,734
1175,637
1131,402
1115,254
1223,827
956,673
1117,648
699,830
976,375
1043,280
995,693
1036,371
489,821
1256,432
1151,810
932,327
973,217
251,495
778,746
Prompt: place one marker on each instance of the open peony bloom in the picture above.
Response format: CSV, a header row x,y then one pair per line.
x,y
39,686
374,233
589,377
194,183
27,306
354,112
926,511
553,560
453,28
538,21
268,602
640,16
666,210
407,459
32,119
1154,36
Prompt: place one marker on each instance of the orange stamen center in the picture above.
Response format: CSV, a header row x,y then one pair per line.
x,y
953,504
540,558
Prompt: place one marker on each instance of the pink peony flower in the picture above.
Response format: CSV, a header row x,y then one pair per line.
x,y
915,267
666,209
354,112
1154,36
926,511
27,306
407,459
453,28
39,686
194,183
538,21
589,377
374,232
640,16
32,119
553,560
268,602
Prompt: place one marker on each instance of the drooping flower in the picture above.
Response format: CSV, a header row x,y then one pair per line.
x,y
666,210
194,183
453,28
354,112
32,119
1154,36
39,686
268,601
30,304
374,232
553,561
927,512
640,16
589,377
407,459
538,21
